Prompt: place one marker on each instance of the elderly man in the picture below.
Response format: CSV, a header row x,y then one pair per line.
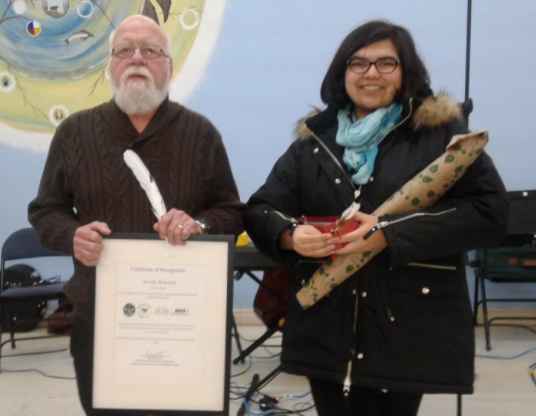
x,y
87,190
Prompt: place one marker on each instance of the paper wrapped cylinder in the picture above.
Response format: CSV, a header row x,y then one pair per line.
x,y
420,192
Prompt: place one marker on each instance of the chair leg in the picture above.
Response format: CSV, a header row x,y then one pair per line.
x,y
459,405
11,320
236,336
485,313
257,343
475,300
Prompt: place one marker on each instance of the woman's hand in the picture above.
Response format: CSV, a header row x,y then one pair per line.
x,y
307,241
356,244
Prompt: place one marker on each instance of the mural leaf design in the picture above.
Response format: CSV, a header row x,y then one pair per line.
x,y
150,11
165,5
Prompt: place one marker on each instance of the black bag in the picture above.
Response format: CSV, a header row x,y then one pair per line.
x,y
20,275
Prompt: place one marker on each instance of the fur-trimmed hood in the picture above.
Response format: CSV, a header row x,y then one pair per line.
x,y
433,112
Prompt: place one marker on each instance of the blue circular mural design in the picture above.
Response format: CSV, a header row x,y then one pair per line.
x,y
61,49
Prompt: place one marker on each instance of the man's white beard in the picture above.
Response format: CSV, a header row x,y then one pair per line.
x,y
138,96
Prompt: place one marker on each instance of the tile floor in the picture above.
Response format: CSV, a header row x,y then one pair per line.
x,y
503,387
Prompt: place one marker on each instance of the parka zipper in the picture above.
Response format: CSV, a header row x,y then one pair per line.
x,y
383,224
357,192
347,382
433,266
286,217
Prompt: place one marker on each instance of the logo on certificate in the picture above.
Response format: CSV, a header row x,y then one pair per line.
x,y
181,311
129,310
144,310
161,311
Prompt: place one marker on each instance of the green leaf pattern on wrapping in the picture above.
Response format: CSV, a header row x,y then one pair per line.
x,y
416,202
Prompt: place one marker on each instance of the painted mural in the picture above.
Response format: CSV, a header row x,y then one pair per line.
x,y
53,56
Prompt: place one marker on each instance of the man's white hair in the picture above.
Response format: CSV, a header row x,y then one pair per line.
x,y
166,48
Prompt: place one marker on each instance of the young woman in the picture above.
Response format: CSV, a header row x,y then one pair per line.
x,y
402,325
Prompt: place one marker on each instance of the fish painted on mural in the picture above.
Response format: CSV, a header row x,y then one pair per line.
x,y
81,34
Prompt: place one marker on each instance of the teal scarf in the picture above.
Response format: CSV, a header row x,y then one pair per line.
x,y
361,137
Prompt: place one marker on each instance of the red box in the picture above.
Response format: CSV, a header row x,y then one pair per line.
x,y
328,224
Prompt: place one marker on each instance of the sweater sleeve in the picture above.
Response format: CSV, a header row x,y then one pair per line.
x,y
276,205
223,209
51,213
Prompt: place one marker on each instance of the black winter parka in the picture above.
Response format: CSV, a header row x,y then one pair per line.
x,y
403,322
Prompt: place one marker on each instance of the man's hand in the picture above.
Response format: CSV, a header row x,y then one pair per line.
x,y
307,241
356,244
87,242
177,226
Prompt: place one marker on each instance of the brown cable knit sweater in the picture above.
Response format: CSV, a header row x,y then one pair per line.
x,y
85,179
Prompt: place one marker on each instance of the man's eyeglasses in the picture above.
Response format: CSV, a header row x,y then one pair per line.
x,y
147,51
362,65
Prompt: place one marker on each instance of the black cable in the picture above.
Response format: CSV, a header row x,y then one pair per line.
x,y
34,353
247,396
242,338
532,373
528,328
39,372
266,349
245,371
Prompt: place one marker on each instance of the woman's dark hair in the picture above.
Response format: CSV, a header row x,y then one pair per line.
x,y
415,81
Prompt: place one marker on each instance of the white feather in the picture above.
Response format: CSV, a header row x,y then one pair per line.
x,y
146,181
350,211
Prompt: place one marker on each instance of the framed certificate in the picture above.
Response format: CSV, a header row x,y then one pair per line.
x,y
163,325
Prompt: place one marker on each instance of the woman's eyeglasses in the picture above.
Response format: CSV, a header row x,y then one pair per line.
x,y
362,65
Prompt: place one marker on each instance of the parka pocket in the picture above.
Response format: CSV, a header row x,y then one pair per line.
x,y
426,280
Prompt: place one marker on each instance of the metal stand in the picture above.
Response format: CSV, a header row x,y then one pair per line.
x,y
255,386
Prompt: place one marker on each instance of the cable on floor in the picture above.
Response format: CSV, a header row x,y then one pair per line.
x,y
250,363
34,353
497,357
39,372
270,405
532,373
